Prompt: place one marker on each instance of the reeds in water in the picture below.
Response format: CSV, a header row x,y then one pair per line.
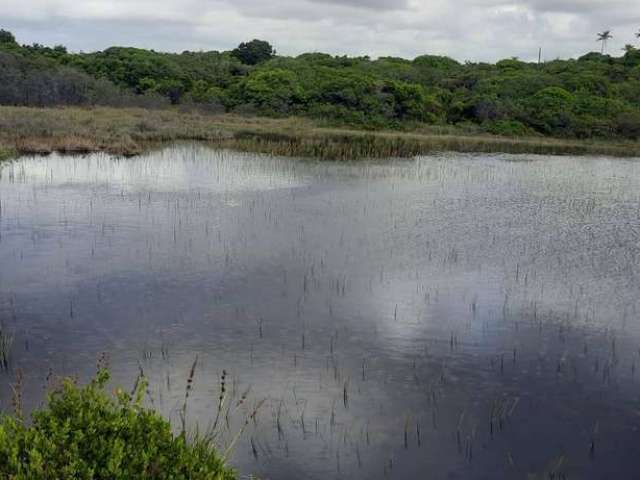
x,y
118,131
6,344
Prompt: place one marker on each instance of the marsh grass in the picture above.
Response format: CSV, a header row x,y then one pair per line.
x,y
7,152
6,344
129,132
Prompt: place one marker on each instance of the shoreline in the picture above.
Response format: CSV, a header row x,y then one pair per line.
x,y
130,132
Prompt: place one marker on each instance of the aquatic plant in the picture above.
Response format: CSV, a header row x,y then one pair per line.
x,y
6,343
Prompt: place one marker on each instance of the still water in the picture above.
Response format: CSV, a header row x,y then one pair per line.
x,y
445,317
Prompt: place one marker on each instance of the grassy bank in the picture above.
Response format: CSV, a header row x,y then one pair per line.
x,y
25,130
6,153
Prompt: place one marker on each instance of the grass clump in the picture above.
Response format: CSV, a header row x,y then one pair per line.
x,y
83,433
6,153
6,342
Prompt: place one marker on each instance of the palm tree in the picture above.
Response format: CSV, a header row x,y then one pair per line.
x,y
603,37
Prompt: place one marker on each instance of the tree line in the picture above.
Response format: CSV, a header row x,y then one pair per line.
x,y
596,95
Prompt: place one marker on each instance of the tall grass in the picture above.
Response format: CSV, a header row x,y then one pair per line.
x,y
7,152
6,343
125,132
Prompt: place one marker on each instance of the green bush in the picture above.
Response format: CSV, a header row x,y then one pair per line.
x,y
551,111
83,433
274,91
509,128
628,125
412,102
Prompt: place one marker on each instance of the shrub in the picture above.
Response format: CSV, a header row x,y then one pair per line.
x,y
85,434
628,125
551,111
509,128
412,102
274,91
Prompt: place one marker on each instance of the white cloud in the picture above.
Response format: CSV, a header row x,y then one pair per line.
x,y
464,29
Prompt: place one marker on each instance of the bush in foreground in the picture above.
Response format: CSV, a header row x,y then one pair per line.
x,y
83,433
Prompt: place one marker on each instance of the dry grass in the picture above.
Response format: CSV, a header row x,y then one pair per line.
x,y
133,131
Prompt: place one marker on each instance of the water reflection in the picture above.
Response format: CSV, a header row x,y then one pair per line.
x,y
461,316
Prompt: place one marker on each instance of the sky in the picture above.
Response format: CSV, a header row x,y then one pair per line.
x,y
474,30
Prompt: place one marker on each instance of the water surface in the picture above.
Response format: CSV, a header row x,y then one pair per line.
x,y
453,316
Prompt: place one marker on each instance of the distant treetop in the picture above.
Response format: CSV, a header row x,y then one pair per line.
x,y
7,37
436,61
253,52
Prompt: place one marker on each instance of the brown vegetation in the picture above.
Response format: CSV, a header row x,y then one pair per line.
x,y
25,130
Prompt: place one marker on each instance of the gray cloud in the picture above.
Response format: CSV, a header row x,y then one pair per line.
x,y
463,29
371,4
577,6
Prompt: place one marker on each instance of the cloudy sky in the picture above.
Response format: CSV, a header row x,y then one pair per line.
x,y
464,29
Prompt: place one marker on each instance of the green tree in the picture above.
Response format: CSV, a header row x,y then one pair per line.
x,y
173,89
412,102
147,84
274,91
551,111
7,37
253,52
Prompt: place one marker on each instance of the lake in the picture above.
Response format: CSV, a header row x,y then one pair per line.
x,y
451,316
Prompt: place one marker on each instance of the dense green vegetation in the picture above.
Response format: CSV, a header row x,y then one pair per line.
x,y
85,434
595,96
